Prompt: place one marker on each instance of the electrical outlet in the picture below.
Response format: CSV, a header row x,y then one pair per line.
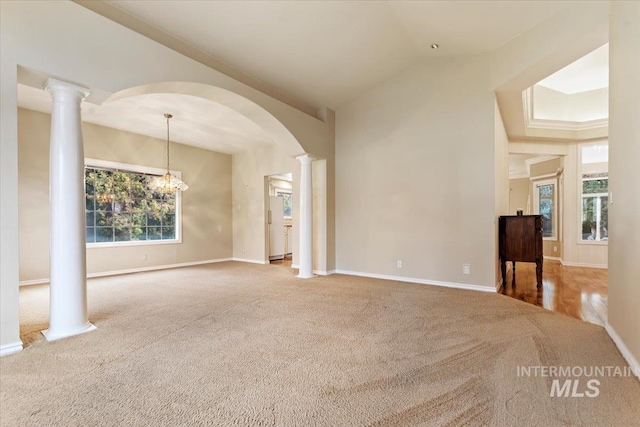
x,y
466,268
144,257
399,263
555,249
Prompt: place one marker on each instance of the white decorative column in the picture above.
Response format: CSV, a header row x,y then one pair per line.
x,y
67,257
305,262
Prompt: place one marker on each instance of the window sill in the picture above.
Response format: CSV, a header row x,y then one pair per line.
x,y
594,242
132,243
550,239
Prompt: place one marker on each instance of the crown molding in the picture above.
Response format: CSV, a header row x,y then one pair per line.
x,y
531,122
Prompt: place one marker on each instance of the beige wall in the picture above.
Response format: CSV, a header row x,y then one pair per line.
x,y
250,206
206,206
501,170
624,152
415,178
66,40
519,195
545,168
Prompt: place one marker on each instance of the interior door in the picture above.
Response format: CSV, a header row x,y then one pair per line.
x,y
276,227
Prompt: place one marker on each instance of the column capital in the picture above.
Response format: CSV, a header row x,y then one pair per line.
x,y
55,87
305,158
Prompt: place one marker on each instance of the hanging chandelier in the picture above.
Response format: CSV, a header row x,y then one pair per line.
x,y
168,183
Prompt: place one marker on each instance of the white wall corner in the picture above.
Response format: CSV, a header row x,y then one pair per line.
x,y
12,348
631,360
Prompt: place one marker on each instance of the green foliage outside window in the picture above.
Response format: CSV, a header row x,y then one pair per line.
x,y
120,207
595,209
288,204
545,196
595,186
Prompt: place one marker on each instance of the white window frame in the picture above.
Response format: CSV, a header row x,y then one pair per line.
x,y
536,205
278,191
599,197
580,197
107,164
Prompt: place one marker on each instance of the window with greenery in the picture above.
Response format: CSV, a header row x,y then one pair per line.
x,y
545,203
121,207
288,202
595,207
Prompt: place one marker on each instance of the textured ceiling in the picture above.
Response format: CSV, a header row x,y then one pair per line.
x,y
326,53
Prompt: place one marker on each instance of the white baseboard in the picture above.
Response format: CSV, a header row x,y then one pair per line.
x,y
420,281
583,264
12,348
631,360
324,273
132,270
318,272
33,282
552,258
252,261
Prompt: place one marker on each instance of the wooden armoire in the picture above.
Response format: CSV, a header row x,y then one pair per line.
x,y
520,240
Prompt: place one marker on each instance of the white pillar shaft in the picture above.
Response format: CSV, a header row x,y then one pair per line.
x,y
67,258
305,262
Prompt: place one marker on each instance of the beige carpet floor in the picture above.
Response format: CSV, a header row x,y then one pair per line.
x,y
240,344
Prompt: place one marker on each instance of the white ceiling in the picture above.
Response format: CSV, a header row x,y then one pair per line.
x,y
326,53
196,121
587,73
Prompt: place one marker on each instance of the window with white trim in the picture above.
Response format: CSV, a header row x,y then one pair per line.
x,y
593,179
122,209
545,203
595,207
288,201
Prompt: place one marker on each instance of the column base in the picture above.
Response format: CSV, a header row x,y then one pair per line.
x,y
56,335
305,276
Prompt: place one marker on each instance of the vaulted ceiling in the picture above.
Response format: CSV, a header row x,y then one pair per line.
x,y
325,53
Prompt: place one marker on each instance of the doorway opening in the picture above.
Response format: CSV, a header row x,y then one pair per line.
x,y
280,206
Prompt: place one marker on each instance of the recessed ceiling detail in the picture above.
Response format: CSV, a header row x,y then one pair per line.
x,y
588,73
547,109
196,121
575,98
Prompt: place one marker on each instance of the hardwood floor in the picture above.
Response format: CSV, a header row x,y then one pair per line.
x,y
285,262
575,291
